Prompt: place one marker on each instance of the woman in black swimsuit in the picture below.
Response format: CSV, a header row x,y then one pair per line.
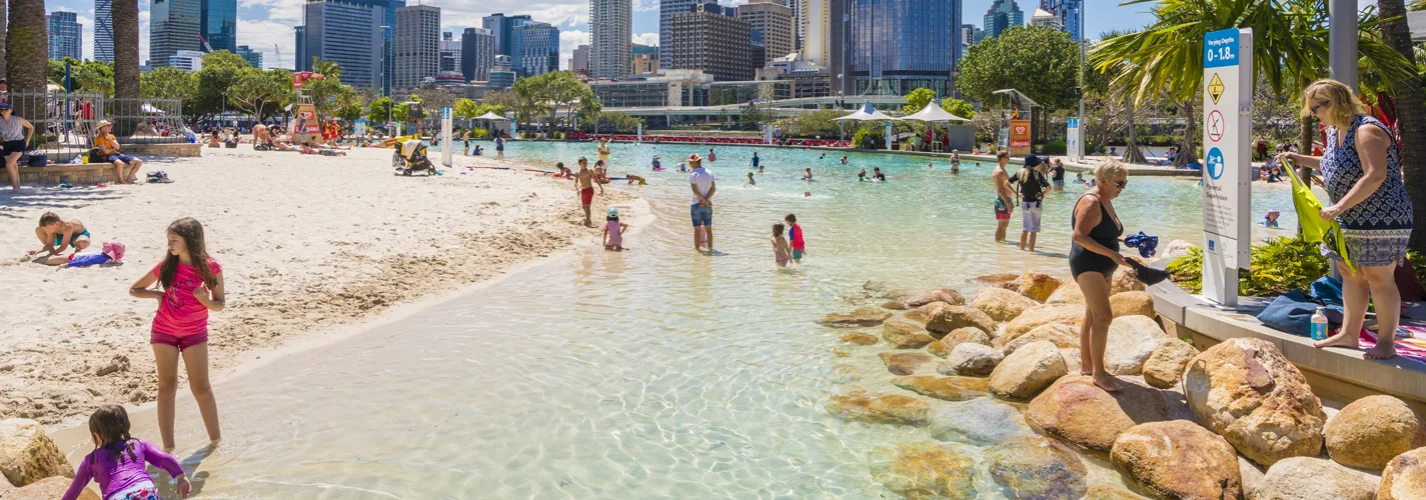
x,y
1094,255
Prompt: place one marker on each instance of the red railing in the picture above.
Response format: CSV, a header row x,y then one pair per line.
x,y
580,136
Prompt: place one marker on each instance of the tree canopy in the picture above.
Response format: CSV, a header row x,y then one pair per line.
x,y
1038,61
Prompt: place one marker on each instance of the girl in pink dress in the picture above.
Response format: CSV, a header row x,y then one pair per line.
x,y
614,231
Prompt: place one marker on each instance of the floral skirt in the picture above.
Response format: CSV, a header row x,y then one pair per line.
x,y
1372,247
137,492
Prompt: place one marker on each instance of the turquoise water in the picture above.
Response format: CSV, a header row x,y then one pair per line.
x,y
652,373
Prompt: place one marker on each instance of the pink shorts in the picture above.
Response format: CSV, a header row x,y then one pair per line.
x,y
181,343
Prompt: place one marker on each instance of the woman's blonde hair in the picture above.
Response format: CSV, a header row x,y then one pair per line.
x,y
1342,104
1108,170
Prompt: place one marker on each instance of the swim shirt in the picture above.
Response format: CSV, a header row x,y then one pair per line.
x,y
180,313
797,242
114,475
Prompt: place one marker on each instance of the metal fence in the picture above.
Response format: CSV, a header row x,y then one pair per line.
x,y
146,121
65,124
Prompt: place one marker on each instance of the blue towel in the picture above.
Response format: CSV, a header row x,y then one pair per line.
x,y
1328,290
1291,313
1147,245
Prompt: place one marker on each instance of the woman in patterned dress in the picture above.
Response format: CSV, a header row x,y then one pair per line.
x,y
1362,173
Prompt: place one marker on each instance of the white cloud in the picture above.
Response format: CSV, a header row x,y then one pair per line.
x,y
646,39
86,51
262,35
569,39
143,34
646,5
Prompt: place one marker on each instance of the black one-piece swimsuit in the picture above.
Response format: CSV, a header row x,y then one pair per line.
x,y
1106,233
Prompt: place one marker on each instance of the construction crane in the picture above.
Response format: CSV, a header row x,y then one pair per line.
x,y
279,53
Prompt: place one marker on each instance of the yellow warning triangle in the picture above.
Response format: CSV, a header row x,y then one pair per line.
x,y
1215,88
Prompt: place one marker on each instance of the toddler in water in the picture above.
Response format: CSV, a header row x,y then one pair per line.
x,y
1270,220
751,182
844,160
779,246
807,174
117,462
614,231
799,245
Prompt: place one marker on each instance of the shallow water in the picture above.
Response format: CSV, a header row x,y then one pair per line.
x,y
655,372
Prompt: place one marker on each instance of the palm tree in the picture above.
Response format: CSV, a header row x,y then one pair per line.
x,y
1411,125
27,46
125,14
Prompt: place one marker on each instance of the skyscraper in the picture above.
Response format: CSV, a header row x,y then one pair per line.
x,y
477,54
302,62
882,32
611,25
348,33
450,52
66,35
668,9
534,49
712,39
1067,14
103,31
1003,15
579,59
220,23
253,57
500,74
418,44
174,25
500,25
774,21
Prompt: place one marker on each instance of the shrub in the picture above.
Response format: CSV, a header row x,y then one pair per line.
x,y
1055,147
1278,266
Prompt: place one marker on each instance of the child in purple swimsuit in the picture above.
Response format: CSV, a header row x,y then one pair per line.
x,y
117,462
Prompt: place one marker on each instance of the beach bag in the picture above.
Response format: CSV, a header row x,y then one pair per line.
x,y
1290,312
1309,217
1327,289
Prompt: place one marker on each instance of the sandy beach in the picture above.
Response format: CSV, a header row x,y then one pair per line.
x,y
307,244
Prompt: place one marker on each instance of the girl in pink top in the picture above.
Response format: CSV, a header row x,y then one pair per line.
x,y
614,232
117,462
192,286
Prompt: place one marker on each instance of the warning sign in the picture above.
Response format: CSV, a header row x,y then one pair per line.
x,y
1215,88
1216,126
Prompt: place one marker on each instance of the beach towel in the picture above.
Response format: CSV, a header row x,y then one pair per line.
x,y
1290,313
1413,349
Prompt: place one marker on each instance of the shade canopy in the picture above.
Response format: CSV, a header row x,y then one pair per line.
x,y
933,113
1018,96
866,113
490,115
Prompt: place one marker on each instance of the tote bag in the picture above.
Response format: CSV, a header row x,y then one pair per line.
x,y
1309,215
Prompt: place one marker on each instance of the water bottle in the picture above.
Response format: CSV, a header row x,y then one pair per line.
x,y
1319,324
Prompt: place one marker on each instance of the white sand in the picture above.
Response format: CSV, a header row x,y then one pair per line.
x,y
307,244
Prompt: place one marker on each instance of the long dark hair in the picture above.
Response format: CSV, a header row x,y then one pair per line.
x,y
111,423
191,231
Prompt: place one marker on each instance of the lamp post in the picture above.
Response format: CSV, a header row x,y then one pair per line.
x,y
1079,140
386,91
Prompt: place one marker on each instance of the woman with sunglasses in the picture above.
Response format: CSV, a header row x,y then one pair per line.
x,y
1362,173
1094,256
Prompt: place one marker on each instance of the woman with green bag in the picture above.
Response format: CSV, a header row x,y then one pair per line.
x,y
1362,175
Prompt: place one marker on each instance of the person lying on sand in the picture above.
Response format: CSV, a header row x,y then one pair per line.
x,y
56,233
636,178
312,148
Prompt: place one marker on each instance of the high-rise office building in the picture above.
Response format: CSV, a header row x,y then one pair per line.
x,y
253,57
450,52
500,25
302,62
646,59
967,36
611,26
349,33
1043,17
712,39
174,25
668,9
882,32
477,54
534,49
220,24
774,20
579,59
1067,15
388,39
1003,15
66,35
500,74
103,31
187,60
418,44
826,26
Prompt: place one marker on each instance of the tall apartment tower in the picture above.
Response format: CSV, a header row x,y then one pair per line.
x,y
418,44
668,9
611,25
66,35
774,21
712,39
174,25
103,31
477,54
348,33
501,25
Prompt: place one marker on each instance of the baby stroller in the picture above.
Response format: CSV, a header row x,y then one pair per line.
x,y
410,157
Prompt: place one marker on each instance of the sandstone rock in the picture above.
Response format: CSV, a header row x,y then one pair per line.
x,y
1319,479
1061,335
27,455
1007,281
895,305
1067,293
1132,303
946,388
1131,340
1252,475
974,360
1371,431
950,318
947,295
1165,366
1124,281
957,337
860,338
1072,359
1026,371
859,405
1038,286
1404,477
1067,314
1101,492
1178,459
1039,468
1077,411
48,489
925,470
1246,391
924,313
862,316
908,363
1175,249
979,421
1001,304
905,335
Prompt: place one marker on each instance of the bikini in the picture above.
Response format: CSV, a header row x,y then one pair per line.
x,y
1106,233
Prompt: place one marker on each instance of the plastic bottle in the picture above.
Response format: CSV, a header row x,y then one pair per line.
x,y
1319,324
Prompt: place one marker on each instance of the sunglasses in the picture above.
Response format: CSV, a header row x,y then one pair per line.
x,y
1313,108
1121,184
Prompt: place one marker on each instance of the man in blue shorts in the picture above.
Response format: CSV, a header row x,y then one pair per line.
x,y
703,186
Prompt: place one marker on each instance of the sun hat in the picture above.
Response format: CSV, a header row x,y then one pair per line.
x,y
613,212
694,157
102,123
4,105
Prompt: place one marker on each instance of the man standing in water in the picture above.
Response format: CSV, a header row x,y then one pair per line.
x,y
701,182
1004,195
584,184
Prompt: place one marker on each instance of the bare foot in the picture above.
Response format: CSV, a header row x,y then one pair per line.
x,y
1341,339
1383,350
1107,382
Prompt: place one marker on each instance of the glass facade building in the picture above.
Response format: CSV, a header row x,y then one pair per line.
x,y
253,57
220,24
1003,15
349,33
477,54
66,35
173,26
1067,15
900,45
103,31
534,49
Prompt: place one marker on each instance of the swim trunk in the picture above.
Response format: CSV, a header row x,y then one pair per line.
x,y
702,215
1030,216
181,343
142,491
119,156
12,147
796,255
1002,212
586,196
1060,182
59,238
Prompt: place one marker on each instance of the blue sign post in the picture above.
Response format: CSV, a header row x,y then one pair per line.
x,y
1227,169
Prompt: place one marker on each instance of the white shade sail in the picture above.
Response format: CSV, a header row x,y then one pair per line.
x,y
490,115
933,113
867,113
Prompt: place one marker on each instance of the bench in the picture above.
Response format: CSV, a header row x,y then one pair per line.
x,y
77,174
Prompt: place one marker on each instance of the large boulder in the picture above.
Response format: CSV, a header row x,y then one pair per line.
x,y
48,489
979,421
1132,303
925,470
1165,366
905,335
1248,392
863,316
1079,412
1034,317
948,295
860,338
1371,431
1315,478
950,318
1404,477
1001,304
27,455
1178,459
1026,371
973,360
957,337
1124,281
946,388
1033,467
1038,286
908,363
1131,340
859,405
1067,293
1061,335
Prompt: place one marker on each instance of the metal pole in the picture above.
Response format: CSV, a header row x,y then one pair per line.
x,y
1343,41
1080,120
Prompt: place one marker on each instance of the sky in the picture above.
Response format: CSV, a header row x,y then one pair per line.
x,y
266,25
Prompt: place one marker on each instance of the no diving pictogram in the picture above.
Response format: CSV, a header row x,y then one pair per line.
x,y
1216,126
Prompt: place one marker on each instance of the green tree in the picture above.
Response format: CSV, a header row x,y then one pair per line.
x,y
257,92
532,103
589,110
618,122
220,68
168,83
350,112
1040,62
378,109
958,107
917,100
753,116
466,109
